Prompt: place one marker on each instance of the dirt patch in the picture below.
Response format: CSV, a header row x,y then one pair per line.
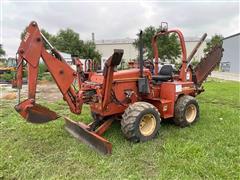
x,y
10,96
42,82
49,92
45,91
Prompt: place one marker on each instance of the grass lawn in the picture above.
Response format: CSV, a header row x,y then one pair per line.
x,y
208,149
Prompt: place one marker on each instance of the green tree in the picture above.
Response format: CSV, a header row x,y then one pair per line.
x,y
23,33
168,45
89,51
2,52
215,40
68,41
47,35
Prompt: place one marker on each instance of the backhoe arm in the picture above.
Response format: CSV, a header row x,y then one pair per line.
x,y
30,51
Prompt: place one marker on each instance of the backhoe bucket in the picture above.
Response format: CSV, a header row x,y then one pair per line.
x,y
80,131
40,114
35,113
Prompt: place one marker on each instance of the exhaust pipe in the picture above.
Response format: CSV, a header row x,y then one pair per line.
x,y
141,54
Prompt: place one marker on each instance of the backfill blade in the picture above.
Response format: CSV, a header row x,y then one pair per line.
x,y
81,132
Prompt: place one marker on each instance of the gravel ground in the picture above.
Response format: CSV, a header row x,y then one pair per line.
x,y
45,91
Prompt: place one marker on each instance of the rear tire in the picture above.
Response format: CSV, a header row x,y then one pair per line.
x,y
140,122
186,111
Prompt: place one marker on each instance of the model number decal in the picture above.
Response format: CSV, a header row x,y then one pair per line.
x,y
26,37
178,88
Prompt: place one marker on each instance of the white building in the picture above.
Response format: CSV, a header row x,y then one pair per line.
x,y
106,47
231,58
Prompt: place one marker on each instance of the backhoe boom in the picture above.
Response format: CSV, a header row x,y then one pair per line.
x,y
31,50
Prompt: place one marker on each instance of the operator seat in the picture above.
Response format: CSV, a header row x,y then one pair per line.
x,y
164,74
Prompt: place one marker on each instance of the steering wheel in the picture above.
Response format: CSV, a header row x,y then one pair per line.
x,y
147,63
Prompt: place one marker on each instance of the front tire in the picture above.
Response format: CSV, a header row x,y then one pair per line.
x,y
186,111
140,122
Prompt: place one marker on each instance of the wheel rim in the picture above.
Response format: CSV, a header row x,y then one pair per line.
x,y
191,113
147,124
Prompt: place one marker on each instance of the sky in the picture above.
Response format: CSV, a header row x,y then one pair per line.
x,y
116,19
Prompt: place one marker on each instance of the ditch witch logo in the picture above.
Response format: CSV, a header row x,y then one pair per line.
x,y
26,37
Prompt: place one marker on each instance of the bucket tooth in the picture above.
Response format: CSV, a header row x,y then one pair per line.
x,y
80,131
